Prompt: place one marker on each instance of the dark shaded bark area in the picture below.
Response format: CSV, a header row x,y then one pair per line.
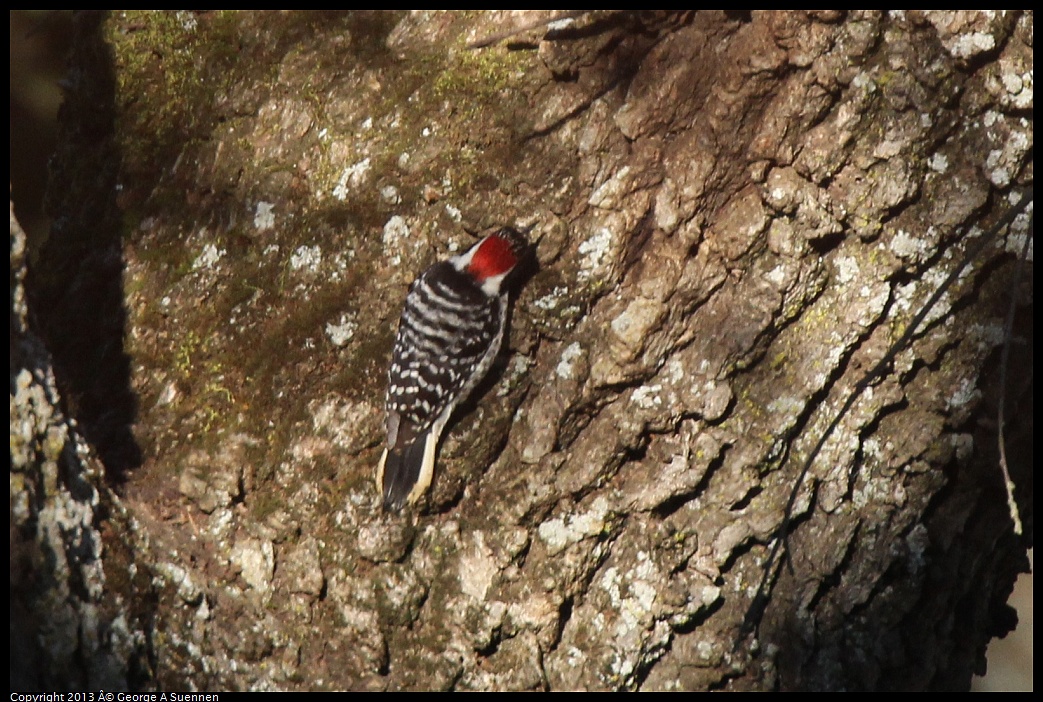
x,y
735,217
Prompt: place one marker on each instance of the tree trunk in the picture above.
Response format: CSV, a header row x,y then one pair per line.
x,y
736,218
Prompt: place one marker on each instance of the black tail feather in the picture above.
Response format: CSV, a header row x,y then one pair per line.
x,y
401,472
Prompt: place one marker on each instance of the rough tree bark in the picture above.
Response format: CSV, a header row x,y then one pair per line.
x,y
736,216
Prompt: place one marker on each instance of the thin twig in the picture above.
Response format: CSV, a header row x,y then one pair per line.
x,y
1008,332
496,38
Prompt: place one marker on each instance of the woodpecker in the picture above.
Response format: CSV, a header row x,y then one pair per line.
x,y
448,337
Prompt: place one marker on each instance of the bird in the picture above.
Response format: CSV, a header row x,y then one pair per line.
x,y
449,334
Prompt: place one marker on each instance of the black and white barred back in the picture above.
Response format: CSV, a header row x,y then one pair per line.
x,y
446,332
